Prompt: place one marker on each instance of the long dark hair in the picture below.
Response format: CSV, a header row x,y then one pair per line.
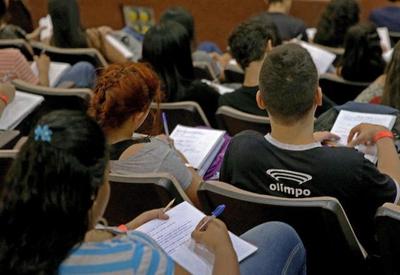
x,y
167,48
338,16
67,30
48,192
391,94
362,59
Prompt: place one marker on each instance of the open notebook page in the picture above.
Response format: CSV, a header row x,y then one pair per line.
x,y
18,109
174,237
196,144
347,120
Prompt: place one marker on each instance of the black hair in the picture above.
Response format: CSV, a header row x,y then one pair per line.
x,y
249,40
288,83
338,16
3,9
362,59
182,16
67,30
48,192
391,93
167,48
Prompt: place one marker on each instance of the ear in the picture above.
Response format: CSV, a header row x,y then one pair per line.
x,y
260,101
318,97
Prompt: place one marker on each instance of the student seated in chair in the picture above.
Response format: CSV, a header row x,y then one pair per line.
x,y
291,161
56,192
249,43
121,103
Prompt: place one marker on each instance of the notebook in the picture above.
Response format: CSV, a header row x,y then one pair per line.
x,y
200,146
347,120
18,109
322,58
174,237
56,70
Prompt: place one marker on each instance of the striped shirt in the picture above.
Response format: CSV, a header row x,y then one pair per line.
x,y
134,254
13,65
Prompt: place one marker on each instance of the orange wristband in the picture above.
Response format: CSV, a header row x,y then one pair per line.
x,y
5,99
382,134
123,228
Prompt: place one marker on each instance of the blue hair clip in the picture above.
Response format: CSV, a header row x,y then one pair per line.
x,y
43,133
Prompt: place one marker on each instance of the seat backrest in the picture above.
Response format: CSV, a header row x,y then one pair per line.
x,y
133,194
234,121
394,37
331,245
71,56
54,99
19,44
233,75
387,221
203,70
340,90
188,113
6,159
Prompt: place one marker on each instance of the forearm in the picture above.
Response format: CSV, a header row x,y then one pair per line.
x,y
388,159
44,78
226,262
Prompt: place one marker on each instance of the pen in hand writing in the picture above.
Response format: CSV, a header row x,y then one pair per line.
x,y
218,211
166,208
166,130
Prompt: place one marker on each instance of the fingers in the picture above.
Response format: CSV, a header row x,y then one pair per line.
x,y
353,132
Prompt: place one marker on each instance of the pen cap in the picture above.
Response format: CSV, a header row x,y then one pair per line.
x,y
218,211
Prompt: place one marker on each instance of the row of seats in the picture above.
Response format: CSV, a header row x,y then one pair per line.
x,y
332,247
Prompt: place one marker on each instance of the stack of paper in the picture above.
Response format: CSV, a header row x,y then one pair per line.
x,y
56,70
347,120
220,88
174,237
199,145
22,105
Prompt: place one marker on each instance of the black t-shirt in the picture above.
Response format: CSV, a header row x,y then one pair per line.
x,y
288,26
311,170
243,99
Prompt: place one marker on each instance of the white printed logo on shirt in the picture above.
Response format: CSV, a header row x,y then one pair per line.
x,y
286,175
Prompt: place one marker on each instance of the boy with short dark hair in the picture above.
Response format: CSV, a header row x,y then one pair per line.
x,y
248,44
291,161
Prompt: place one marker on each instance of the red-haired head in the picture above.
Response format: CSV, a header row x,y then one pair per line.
x,y
123,91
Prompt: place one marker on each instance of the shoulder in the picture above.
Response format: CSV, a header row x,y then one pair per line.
x,y
225,99
136,248
199,85
247,141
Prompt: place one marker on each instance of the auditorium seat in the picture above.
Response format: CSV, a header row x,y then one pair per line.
x,y
234,121
133,194
387,221
340,90
330,242
203,70
19,44
71,56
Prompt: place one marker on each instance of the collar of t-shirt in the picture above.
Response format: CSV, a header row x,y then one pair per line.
x,y
291,147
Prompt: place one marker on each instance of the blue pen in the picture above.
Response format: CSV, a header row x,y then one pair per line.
x,y
166,130
218,211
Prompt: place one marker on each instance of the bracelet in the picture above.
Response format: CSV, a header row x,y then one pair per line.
x,y
382,134
5,99
123,228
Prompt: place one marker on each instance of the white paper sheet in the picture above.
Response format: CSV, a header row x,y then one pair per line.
x,y
220,88
384,37
174,237
48,25
22,105
196,144
347,120
56,70
322,58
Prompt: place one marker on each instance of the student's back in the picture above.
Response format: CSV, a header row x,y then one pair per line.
x,y
387,16
291,162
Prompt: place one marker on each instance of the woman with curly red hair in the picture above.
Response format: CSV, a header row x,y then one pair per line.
x,y
120,105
